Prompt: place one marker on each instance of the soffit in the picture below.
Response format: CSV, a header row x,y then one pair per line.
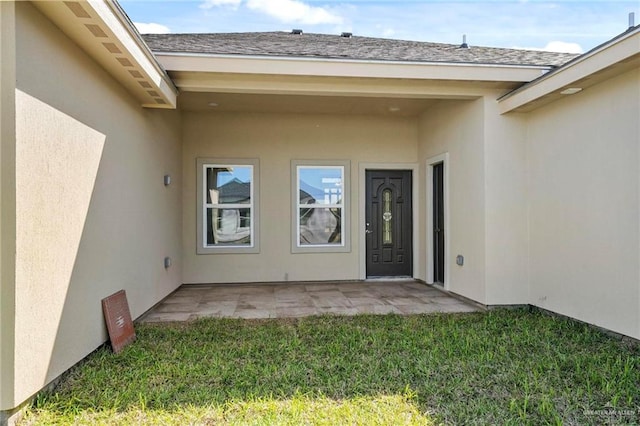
x,y
104,32
613,58
302,104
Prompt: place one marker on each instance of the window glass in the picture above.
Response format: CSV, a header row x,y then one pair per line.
x,y
320,211
228,208
228,184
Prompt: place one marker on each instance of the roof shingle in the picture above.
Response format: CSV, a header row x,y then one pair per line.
x,y
283,44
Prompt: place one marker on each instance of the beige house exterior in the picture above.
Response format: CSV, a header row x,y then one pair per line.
x,y
541,188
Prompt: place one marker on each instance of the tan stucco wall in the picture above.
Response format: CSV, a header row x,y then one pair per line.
x,y
583,157
7,201
487,197
93,215
506,237
457,128
276,139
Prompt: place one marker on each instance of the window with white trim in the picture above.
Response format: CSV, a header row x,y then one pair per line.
x,y
321,211
227,219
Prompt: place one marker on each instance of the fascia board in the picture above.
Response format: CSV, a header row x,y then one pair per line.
x,y
204,63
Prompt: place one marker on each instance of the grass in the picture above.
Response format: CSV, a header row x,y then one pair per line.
x,y
498,367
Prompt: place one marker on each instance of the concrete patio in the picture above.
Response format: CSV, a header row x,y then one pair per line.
x,y
287,300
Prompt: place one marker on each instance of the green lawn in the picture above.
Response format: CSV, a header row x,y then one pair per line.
x,y
498,367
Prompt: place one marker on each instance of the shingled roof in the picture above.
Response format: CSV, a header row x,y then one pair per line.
x,y
284,44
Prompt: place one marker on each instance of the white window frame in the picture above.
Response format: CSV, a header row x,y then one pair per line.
x,y
345,245
202,164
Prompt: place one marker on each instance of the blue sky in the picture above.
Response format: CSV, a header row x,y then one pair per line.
x,y
561,25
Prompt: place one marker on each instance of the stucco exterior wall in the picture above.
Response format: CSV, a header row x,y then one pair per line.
x,y
506,232
93,215
457,128
276,139
583,179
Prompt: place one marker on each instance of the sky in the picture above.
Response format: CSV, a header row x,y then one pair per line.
x,y
561,25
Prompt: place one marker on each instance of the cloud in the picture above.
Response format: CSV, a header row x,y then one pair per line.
x,y
385,31
389,32
294,11
151,28
208,4
557,46
564,47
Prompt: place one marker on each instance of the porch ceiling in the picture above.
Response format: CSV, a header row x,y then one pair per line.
x,y
308,104
321,95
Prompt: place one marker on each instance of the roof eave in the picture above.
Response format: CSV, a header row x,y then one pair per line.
x,y
611,58
104,32
333,67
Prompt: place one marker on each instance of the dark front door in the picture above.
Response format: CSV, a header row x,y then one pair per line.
x,y
389,223
438,223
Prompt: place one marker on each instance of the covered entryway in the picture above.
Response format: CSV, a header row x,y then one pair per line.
x,y
383,118
389,223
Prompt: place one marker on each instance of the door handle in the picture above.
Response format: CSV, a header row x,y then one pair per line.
x,y
367,230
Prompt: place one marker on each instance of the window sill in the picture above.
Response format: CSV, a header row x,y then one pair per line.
x,y
228,250
321,249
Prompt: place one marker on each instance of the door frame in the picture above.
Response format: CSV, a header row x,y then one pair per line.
x,y
444,159
362,205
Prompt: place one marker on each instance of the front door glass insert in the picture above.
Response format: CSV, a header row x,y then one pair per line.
x,y
387,217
